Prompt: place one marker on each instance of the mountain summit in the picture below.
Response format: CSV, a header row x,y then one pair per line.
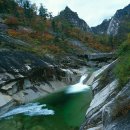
x,y
73,18
116,25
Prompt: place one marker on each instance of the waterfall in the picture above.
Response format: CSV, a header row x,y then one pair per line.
x,y
79,87
82,78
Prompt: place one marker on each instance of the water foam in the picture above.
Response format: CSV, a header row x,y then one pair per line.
x,y
30,109
79,87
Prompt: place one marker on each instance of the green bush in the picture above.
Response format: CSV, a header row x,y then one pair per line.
x,y
122,69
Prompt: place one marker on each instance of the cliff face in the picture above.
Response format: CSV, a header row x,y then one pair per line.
x,y
101,29
109,109
117,20
73,18
116,24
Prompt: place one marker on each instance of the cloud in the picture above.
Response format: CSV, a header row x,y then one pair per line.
x,y
92,11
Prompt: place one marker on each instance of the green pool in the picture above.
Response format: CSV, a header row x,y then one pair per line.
x,y
67,112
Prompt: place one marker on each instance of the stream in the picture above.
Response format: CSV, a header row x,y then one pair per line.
x,y
63,110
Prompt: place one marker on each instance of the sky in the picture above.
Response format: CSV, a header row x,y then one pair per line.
x,y
92,11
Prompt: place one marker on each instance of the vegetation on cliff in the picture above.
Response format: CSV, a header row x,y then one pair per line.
x,y
123,67
44,33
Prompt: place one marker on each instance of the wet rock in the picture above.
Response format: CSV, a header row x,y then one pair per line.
x,y
104,91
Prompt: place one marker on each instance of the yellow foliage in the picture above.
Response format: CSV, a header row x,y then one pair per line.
x,y
12,21
48,37
13,33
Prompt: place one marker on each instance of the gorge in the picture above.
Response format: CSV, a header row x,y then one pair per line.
x,y
57,73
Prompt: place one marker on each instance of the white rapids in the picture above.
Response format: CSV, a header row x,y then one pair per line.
x,y
79,87
30,109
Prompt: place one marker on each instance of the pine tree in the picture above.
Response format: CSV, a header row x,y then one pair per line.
x,y
28,9
7,6
43,12
53,25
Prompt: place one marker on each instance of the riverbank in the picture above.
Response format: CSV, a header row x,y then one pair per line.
x,y
104,87
35,90
53,110
109,109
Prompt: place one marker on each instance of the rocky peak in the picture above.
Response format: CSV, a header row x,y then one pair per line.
x,y
117,19
74,19
67,9
112,26
123,12
101,29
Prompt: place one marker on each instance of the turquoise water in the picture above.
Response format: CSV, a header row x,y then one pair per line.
x,y
64,110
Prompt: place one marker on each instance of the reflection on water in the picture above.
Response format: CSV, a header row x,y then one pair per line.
x,y
64,110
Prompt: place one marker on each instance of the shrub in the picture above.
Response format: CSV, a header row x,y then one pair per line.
x,y
13,32
48,37
52,49
12,21
124,48
122,69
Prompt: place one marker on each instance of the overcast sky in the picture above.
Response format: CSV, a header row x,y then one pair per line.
x,y
92,11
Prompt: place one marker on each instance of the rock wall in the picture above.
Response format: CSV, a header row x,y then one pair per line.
x,y
115,25
25,77
110,107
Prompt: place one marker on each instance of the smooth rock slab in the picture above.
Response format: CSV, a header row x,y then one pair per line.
x,y
116,114
4,99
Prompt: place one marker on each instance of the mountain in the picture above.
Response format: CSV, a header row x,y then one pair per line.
x,y
116,24
73,19
101,29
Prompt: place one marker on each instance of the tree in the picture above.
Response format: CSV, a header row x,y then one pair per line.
x,y
8,6
29,10
34,8
43,12
20,2
53,25
50,15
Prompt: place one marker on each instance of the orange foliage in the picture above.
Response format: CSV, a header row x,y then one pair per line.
x,y
17,33
88,39
13,33
36,35
74,32
20,34
12,21
48,37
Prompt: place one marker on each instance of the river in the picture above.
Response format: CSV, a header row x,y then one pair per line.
x,y
63,110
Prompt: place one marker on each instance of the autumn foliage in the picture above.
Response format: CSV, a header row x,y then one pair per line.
x,y
12,21
51,48
48,37
88,39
